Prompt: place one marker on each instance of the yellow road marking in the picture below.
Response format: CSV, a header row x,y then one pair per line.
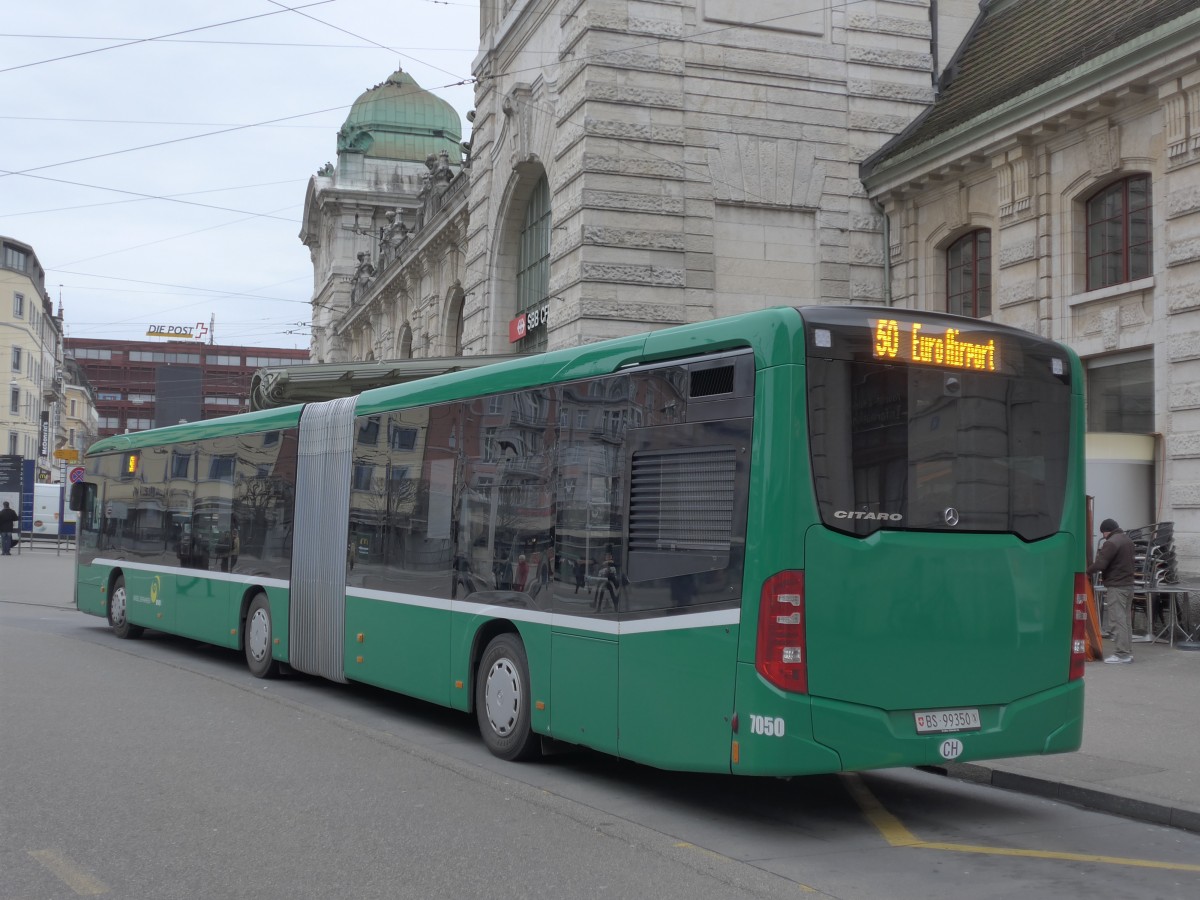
x,y
69,874
897,835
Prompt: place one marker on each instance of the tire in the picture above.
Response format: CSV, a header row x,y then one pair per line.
x,y
502,700
118,612
258,639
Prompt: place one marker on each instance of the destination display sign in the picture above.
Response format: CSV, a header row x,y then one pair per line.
x,y
932,344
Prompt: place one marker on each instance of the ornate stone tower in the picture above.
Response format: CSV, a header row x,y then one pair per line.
x,y
398,145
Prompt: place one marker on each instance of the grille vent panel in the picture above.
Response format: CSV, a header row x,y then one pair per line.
x,y
682,499
707,382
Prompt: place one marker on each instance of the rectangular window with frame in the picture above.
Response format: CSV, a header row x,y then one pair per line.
x,y
19,306
368,431
14,400
401,437
16,359
220,468
364,475
180,464
1120,396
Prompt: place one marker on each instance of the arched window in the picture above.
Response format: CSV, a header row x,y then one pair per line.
x,y
533,264
969,275
1118,233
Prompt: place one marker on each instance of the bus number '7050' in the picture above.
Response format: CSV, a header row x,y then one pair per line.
x,y
768,725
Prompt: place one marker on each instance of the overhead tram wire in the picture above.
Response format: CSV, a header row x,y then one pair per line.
x,y
168,198
221,190
133,42
166,40
4,173
297,10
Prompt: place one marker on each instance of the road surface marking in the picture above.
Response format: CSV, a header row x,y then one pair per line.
x,y
897,835
69,874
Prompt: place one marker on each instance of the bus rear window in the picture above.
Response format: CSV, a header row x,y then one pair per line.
x,y
930,449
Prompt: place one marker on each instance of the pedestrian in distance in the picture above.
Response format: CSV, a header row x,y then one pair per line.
x,y
8,524
1114,563
522,573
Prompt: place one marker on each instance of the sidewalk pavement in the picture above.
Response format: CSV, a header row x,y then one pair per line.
x,y
1141,733
1141,743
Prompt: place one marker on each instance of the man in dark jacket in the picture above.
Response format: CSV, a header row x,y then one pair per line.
x,y
8,528
1114,562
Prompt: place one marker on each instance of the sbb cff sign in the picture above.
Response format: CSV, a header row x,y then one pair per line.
x,y
527,323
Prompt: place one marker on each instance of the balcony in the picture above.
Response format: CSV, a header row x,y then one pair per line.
x,y
52,389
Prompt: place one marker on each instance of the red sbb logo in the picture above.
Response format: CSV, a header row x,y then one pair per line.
x,y
527,322
517,328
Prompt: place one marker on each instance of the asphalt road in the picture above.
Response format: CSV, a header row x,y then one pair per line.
x,y
160,768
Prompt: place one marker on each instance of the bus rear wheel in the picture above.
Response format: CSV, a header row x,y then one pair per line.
x,y
118,612
502,700
257,640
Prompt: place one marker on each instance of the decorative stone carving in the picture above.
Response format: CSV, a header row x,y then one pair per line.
x,y
757,170
1175,124
1110,329
1103,148
364,274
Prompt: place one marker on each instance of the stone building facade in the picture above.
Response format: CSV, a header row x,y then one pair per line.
x,y
633,164
656,162
1055,185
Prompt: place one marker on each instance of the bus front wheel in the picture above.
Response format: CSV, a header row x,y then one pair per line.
x,y
257,638
118,611
502,700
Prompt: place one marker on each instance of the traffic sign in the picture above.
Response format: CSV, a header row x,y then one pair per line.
x,y
76,475
70,454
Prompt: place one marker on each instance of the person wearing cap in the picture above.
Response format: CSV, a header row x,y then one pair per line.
x,y
1114,562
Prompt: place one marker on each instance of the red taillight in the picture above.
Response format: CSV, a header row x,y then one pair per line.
x,y
782,653
1079,612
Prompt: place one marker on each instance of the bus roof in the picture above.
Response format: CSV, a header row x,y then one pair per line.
x,y
769,332
761,330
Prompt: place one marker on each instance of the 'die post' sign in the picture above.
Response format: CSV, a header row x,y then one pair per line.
x,y
932,345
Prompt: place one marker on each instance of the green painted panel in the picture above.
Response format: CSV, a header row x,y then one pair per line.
x,y
676,697
146,603
243,423
91,590
1048,722
403,647
910,620
787,747
780,471
203,607
584,672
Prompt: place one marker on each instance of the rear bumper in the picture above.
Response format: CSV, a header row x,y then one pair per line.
x,y
822,735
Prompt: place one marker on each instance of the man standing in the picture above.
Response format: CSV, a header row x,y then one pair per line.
x,y
1114,562
8,524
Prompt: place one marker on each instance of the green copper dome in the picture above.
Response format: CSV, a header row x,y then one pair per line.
x,y
400,120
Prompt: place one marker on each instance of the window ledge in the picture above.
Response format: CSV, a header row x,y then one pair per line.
x,y
1113,290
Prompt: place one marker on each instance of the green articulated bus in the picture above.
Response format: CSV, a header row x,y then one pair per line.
x,y
792,541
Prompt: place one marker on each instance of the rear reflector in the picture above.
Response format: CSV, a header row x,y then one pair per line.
x,y
781,656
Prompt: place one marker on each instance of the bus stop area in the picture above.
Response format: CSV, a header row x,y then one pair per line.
x,y
1141,746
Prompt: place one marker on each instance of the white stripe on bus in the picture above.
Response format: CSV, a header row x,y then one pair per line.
x,y
674,622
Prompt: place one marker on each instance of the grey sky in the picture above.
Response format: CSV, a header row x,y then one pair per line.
x,y
74,108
